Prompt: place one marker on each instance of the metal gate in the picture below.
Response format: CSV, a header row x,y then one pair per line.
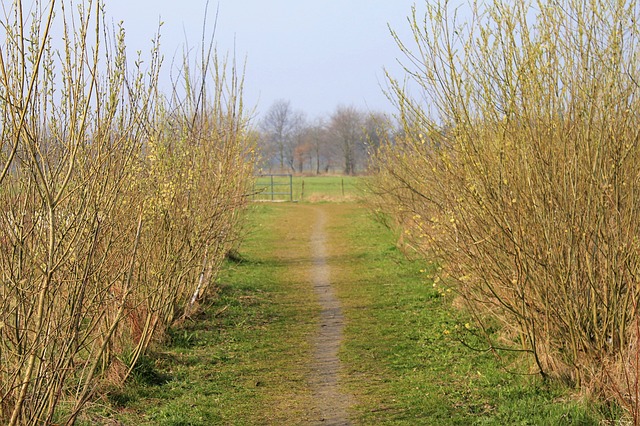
x,y
273,187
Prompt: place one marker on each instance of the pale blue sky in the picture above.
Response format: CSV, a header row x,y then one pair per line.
x,y
316,54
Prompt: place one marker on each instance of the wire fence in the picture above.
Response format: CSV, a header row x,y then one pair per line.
x,y
289,188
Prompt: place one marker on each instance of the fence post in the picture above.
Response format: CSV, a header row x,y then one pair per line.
x,y
272,188
290,187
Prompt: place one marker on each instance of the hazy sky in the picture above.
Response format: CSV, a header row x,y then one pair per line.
x,y
316,54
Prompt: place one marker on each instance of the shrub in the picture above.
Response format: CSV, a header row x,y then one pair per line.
x,y
516,170
118,204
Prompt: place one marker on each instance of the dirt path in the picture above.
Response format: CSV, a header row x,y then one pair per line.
x,y
331,403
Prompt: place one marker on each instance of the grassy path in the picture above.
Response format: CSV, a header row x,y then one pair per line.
x,y
252,356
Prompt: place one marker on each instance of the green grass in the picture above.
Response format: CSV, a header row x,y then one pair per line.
x,y
244,359
228,364
404,360
310,188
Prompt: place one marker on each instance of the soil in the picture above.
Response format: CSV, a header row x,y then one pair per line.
x,y
331,403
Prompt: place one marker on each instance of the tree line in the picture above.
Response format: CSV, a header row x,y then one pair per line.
x,y
341,143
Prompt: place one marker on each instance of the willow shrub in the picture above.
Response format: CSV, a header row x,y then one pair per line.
x,y
517,171
117,204
197,172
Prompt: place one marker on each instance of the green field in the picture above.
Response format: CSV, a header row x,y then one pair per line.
x,y
307,188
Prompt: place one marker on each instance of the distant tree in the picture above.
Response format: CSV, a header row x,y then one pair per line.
x,y
322,150
377,128
303,154
346,128
281,131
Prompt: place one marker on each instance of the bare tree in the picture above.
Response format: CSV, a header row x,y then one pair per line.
x,y
281,129
318,140
346,128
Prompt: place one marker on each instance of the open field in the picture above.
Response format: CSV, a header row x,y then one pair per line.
x,y
308,188
247,358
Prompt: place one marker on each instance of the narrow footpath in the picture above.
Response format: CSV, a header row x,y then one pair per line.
x,y
331,403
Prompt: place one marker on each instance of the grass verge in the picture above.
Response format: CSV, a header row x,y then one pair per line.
x,y
404,362
243,359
